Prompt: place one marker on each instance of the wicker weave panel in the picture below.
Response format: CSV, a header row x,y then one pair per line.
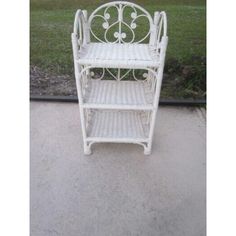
x,y
117,124
107,54
119,93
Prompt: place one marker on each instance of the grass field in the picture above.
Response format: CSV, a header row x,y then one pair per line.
x,y
51,24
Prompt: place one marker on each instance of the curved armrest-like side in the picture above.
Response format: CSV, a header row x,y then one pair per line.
x,y
164,18
80,29
79,39
159,29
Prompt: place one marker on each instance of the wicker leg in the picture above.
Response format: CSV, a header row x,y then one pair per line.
x,y
148,149
87,149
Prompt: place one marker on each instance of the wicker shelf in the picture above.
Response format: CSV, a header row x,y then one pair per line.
x,y
122,126
107,94
118,55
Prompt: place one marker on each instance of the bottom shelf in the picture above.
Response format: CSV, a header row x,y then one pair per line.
x,y
117,126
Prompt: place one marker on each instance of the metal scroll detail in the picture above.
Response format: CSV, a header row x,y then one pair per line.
x,y
118,22
119,74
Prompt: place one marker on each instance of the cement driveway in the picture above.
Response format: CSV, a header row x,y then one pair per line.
x,y
117,190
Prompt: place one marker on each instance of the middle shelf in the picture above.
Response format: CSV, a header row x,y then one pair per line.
x,y
107,94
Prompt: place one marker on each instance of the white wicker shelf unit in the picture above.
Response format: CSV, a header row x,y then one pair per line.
x,y
118,71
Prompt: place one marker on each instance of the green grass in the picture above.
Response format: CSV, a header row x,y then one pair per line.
x,y
74,4
51,24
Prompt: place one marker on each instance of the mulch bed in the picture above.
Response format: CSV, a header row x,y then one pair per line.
x,y
42,83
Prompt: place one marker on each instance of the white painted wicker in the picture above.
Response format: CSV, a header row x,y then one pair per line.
x,y
119,72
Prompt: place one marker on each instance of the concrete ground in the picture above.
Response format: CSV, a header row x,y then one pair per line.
x,y
117,190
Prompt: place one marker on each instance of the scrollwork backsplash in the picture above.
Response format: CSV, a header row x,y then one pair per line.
x,y
120,23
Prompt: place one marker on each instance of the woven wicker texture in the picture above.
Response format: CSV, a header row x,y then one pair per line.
x,y
119,93
117,125
118,55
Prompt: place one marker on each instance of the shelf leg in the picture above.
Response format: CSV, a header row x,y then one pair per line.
x,y
148,149
87,149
